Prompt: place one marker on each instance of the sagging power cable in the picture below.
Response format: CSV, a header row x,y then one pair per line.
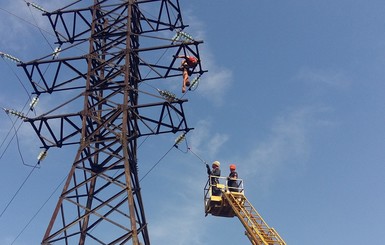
x,y
25,20
18,114
13,112
30,4
17,192
17,61
152,168
17,140
38,211
178,140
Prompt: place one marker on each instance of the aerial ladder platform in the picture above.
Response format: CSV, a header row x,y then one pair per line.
x,y
219,201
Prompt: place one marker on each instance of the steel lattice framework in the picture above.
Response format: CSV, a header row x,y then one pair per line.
x,y
108,49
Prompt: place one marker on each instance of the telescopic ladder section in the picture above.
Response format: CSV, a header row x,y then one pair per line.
x,y
257,229
229,204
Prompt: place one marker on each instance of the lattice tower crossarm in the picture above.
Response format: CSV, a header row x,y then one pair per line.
x,y
101,201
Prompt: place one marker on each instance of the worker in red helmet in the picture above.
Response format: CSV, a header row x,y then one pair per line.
x,y
214,173
232,182
188,62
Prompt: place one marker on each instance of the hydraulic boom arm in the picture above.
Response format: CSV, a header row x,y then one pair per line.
x,y
230,204
257,229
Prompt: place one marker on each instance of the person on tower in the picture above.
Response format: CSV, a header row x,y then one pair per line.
x,y
214,174
187,65
232,182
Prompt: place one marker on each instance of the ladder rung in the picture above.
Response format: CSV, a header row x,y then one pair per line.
x,y
253,222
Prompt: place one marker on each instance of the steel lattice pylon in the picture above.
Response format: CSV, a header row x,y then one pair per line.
x,y
120,45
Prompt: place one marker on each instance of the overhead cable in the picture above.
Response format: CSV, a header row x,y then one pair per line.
x,y
17,192
38,211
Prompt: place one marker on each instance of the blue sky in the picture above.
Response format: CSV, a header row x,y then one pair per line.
x,y
293,96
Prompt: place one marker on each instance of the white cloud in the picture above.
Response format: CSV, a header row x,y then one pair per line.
x,y
15,18
203,141
6,240
286,147
24,25
183,218
182,227
321,78
216,82
10,240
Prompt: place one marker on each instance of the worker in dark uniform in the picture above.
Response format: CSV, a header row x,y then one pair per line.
x,y
188,62
232,182
214,173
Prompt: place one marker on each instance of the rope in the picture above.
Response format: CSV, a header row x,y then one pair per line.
x,y
195,154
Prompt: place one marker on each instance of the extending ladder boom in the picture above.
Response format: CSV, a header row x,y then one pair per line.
x,y
257,229
221,202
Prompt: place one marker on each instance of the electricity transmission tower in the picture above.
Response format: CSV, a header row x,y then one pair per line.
x,y
109,53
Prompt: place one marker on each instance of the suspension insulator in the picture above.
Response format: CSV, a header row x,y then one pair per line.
x,y
10,57
36,6
33,103
180,139
186,36
182,35
42,155
56,52
194,83
176,37
167,95
15,113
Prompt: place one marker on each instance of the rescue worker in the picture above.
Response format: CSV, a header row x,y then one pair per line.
x,y
214,173
188,62
232,182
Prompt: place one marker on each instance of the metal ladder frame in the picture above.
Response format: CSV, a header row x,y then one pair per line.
x,y
257,230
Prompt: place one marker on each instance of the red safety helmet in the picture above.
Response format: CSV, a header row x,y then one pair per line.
x,y
191,61
232,167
